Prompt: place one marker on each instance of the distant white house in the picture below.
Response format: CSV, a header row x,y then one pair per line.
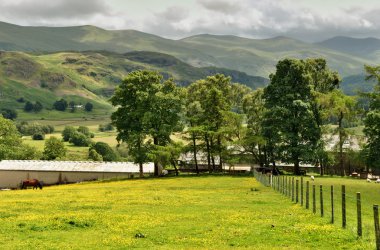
x,y
12,172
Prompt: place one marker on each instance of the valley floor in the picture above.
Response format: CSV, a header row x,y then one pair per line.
x,y
207,212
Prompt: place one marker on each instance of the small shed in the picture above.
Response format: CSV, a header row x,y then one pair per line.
x,y
12,172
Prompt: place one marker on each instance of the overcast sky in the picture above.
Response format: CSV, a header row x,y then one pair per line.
x,y
309,20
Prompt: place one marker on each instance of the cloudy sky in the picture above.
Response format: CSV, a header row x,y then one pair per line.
x,y
309,20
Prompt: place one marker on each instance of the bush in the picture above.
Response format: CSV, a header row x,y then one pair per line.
x,y
79,139
37,107
106,127
93,155
105,151
38,137
54,148
60,105
28,107
48,129
84,130
88,107
34,128
68,133
9,114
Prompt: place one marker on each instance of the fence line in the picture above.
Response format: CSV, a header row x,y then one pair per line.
x,y
289,187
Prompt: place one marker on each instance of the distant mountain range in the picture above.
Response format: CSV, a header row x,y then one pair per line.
x,y
252,56
88,62
92,75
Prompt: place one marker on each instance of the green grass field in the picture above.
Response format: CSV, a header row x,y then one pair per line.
x,y
207,212
370,195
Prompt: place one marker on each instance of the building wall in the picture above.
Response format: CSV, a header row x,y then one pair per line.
x,y
12,178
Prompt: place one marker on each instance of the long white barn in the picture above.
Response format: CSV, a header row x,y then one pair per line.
x,y
12,172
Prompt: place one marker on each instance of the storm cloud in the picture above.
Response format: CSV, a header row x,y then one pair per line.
x,y
309,20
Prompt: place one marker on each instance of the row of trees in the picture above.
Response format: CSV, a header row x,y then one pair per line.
x,y
288,121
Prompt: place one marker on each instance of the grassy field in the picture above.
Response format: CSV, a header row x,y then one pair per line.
x,y
207,212
370,195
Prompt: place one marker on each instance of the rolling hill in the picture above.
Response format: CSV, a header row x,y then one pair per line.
x,y
252,56
364,47
90,76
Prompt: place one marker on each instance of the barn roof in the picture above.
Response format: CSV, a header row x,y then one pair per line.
x,y
75,166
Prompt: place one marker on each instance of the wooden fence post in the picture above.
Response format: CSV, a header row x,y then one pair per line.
x,y
314,205
359,213
307,194
301,191
321,199
377,228
292,188
297,183
332,204
343,206
286,186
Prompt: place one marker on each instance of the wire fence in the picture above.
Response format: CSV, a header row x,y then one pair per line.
x,y
336,204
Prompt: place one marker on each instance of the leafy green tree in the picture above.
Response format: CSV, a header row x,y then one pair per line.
x,y
28,107
88,107
54,149
37,107
80,140
169,154
60,105
38,137
289,116
95,156
10,114
341,107
84,130
372,120
210,105
146,108
323,81
11,146
105,151
253,140
68,133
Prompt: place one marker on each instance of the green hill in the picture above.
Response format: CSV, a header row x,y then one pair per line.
x,y
90,76
252,56
365,47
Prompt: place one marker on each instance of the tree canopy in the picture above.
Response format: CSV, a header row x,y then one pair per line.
x,y
147,108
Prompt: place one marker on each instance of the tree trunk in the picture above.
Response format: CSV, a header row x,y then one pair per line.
x,y
212,149
155,142
208,153
220,153
175,167
340,127
195,152
296,166
141,170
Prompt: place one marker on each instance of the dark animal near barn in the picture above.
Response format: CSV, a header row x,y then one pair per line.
x,y
31,183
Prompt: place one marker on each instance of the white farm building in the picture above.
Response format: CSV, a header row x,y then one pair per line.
x,y
13,172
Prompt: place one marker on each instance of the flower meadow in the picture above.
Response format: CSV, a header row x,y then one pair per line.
x,y
194,212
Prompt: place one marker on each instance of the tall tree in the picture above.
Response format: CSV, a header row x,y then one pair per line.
x,y
11,146
212,99
253,140
289,114
372,120
323,81
147,108
340,107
